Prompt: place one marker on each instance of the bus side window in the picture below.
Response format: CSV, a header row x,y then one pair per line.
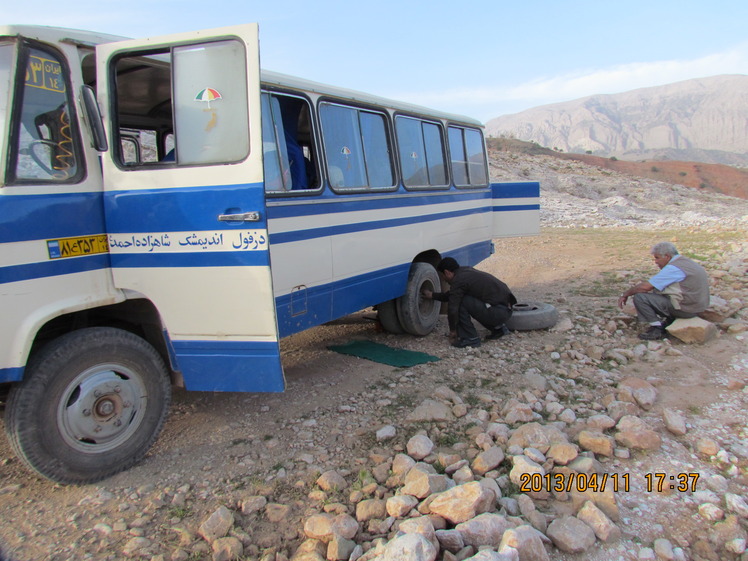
x,y
468,157
421,146
45,147
356,147
287,142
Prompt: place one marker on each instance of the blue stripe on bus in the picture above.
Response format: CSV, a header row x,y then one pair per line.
x,y
11,374
524,189
510,208
311,233
367,201
191,260
53,268
245,366
49,216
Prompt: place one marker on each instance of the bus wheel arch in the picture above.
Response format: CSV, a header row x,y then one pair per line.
x,y
91,405
417,315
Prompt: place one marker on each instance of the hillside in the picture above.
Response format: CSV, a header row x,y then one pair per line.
x,y
702,120
714,178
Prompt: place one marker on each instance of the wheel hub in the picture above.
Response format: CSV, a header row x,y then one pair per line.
x,y
100,409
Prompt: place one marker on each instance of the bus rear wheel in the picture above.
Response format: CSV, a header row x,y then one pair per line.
x,y
417,315
92,404
387,316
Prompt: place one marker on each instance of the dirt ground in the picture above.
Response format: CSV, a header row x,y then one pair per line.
x,y
220,445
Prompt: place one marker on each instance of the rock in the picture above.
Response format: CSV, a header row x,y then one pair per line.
x,y
605,500
644,439
519,413
664,549
596,442
600,423
483,530
421,525
419,447
674,422
644,393
523,466
527,541
430,410
604,528
227,549
571,535
409,547
450,540
693,330
217,525
340,549
488,460
618,409
387,432
319,527
463,502
400,505
422,481
562,453
711,512
135,547
707,447
310,550
402,464
737,504
535,435
370,509
331,481
253,504
277,512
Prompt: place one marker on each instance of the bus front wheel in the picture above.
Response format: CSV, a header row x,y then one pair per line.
x,y
91,405
417,315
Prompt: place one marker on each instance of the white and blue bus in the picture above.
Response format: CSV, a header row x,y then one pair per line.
x,y
169,212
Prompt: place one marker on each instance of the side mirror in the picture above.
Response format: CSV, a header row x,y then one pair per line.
x,y
93,116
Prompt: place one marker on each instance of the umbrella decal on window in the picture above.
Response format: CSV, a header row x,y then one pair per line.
x,y
207,95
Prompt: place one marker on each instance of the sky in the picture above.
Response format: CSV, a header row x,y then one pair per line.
x,y
481,58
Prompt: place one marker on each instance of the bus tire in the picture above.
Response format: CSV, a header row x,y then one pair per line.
x,y
527,316
417,315
387,316
91,405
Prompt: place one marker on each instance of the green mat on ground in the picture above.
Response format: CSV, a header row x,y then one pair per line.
x,y
377,352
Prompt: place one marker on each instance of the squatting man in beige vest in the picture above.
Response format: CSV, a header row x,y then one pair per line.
x,y
679,290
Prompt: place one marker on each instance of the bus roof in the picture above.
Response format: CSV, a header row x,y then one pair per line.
x,y
91,39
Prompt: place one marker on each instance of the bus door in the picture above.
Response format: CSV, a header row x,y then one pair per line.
x,y
516,209
184,200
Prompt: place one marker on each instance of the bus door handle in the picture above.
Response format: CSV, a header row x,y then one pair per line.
x,y
253,216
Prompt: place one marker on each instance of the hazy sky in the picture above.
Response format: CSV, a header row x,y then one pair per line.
x,y
480,58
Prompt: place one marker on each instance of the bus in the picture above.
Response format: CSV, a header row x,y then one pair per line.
x,y
169,211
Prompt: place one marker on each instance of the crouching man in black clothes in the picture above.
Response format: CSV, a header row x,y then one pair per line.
x,y
473,294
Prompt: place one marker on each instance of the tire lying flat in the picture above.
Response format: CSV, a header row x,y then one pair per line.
x,y
528,316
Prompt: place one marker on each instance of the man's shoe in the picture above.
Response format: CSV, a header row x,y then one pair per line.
x,y
654,333
498,332
462,343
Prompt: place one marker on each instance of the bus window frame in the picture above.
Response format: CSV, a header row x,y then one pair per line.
x,y
445,152
315,140
470,185
391,145
24,48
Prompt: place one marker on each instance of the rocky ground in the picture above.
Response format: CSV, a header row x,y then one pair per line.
x,y
577,443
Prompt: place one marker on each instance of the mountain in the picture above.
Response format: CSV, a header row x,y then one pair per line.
x,y
704,120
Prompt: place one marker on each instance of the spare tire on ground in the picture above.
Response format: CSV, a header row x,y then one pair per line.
x,y
527,316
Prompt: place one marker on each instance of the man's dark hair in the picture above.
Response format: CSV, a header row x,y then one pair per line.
x,y
448,264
